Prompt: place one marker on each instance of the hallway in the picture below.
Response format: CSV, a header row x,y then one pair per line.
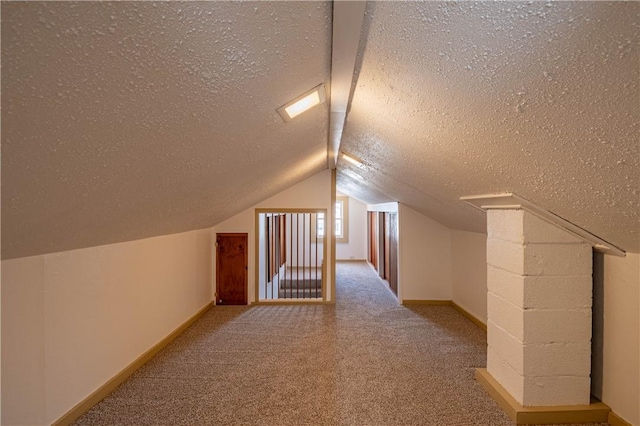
x,y
364,361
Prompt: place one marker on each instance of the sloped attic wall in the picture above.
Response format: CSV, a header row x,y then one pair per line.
x,y
129,296
126,120
536,98
470,98
469,272
73,320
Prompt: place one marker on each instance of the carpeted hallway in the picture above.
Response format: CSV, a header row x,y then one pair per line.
x,y
364,361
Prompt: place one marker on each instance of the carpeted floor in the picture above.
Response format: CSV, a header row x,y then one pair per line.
x,y
364,361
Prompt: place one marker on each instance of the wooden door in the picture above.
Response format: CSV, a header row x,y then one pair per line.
x,y
387,251
373,239
382,254
393,252
232,259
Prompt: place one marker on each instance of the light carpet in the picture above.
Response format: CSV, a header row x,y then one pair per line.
x,y
364,361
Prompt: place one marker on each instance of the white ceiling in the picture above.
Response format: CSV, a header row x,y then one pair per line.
x,y
126,120
466,98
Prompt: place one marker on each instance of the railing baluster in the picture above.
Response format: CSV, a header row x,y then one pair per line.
x,y
271,254
290,251
297,251
278,243
305,278
304,254
266,269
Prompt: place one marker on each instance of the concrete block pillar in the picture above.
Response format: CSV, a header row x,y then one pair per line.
x,y
539,309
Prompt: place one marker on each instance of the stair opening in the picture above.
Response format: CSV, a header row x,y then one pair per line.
x,y
291,248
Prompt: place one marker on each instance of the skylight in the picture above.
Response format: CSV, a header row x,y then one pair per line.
x,y
302,103
351,159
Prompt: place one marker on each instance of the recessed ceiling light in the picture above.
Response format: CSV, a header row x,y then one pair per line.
x,y
302,103
352,160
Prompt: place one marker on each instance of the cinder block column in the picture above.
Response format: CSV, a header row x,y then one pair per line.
x,y
539,309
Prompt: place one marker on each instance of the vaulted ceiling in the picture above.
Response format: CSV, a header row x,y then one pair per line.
x,y
125,120
468,98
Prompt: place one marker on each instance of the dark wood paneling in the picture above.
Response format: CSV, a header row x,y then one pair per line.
x,y
393,252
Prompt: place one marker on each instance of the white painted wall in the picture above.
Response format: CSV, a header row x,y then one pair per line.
x,y
23,341
469,272
424,257
86,314
621,348
0,338
314,192
356,248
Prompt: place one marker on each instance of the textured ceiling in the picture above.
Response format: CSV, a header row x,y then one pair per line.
x,y
125,120
536,98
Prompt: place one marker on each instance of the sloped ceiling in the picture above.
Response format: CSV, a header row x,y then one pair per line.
x,y
470,98
125,120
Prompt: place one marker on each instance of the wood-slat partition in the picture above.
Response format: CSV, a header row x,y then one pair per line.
x,y
293,253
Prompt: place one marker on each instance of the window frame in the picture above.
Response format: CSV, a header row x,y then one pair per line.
x,y
344,201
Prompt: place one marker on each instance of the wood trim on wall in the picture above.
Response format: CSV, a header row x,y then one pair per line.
x,y
596,412
616,420
478,322
426,302
372,239
104,390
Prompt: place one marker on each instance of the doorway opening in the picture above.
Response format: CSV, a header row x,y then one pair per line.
x,y
291,246
382,245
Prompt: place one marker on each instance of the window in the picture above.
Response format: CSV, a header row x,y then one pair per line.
x,y
341,221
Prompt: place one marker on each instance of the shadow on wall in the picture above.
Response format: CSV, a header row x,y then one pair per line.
x,y
597,332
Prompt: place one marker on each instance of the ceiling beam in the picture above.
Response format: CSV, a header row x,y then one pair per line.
x,y
347,24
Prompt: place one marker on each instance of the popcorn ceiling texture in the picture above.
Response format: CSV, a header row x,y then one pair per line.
x,y
125,120
469,98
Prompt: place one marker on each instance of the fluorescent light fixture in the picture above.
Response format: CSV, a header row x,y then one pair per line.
x,y
352,160
302,103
